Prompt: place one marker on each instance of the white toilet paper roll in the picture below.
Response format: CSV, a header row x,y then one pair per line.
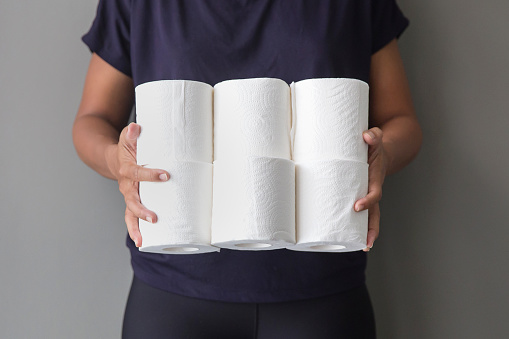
x,y
252,117
325,195
329,117
183,206
254,203
176,121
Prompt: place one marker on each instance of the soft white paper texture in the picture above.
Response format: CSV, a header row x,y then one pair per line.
x,y
252,118
254,203
176,121
176,135
329,117
288,164
326,191
183,206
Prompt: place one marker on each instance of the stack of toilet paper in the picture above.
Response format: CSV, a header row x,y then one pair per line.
x,y
254,176
330,155
176,135
254,164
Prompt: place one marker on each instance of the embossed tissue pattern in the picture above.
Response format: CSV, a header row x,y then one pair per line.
x,y
253,136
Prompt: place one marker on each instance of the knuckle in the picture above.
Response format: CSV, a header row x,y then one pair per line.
x,y
130,148
123,171
130,203
134,186
123,187
377,194
129,188
133,196
136,173
378,131
154,176
130,222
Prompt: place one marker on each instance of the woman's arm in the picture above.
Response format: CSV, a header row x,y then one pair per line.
x,y
391,108
397,137
104,143
106,103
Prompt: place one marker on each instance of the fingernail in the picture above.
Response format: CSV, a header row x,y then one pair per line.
x,y
163,177
149,219
371,246
359,207
371,134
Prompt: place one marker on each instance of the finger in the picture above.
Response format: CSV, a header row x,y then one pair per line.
x,y
140,173
132,134
374,192
373,136
132,227
128,140
375,182
373,226
373,197
132,201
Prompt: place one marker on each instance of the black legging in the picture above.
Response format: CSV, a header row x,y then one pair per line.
x,y
152,313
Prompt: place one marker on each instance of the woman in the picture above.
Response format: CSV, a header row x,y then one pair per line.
x,y
237,294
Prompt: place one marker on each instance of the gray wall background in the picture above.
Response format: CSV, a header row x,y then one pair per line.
x,y
438,270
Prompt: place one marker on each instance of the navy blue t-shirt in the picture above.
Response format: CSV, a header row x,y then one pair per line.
x,y
211,41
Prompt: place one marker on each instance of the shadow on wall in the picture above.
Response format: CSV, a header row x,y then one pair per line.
x,y
433,265
438,259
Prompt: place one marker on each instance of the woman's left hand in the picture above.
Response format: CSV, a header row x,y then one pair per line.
x,y
378,162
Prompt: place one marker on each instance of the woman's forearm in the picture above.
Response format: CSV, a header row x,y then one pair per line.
x,y
106,103
95,140
402,139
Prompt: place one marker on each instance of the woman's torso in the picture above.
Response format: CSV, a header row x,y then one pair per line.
x,y
212,41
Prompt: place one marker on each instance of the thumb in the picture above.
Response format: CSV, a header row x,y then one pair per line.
x,y
373,136
132,134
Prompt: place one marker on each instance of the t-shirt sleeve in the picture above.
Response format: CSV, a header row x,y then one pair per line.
x,y
109,36
387,23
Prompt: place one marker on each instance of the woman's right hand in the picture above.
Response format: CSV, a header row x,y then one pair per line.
x,y
121,159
